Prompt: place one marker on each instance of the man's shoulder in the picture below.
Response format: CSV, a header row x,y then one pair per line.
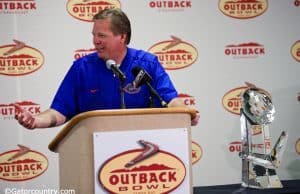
x,y
142,55
91,58
88,57
88,61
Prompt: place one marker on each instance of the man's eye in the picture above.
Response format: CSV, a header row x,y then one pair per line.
x,y
100,36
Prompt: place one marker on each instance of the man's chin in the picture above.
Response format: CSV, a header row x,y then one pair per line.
x,y
101,56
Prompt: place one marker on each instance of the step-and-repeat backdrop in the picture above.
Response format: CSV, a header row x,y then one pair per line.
x,y
210,48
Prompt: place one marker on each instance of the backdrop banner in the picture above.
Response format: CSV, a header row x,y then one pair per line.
x,y
210,49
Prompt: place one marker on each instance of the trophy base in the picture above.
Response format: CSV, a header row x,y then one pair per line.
x,y
263,182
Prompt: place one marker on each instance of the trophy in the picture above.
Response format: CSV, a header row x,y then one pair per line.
x,y
259,161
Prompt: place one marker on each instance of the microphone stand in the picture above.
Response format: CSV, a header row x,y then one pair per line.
x,y
122,82
154,93
151,102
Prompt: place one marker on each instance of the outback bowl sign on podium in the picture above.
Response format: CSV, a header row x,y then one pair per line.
x,y
147,165
162,173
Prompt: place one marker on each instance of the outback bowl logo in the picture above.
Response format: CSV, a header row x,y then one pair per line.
x,y
85,9
235,146
243,9
232,101
135,171
22,164
245,50
8,111
175,53
188,100
297,146
17,6
295,50
83,52
196,152
19,59
170,5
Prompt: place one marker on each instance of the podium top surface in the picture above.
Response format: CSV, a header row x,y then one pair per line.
x,y
116,112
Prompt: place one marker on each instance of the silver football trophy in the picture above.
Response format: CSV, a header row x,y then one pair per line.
x,y
259,161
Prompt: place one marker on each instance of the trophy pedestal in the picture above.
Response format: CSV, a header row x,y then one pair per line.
x,y
259,177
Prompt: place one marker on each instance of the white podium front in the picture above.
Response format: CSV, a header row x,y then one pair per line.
x,y
156,128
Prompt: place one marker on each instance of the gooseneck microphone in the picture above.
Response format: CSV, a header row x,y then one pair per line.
x,y
143,77
111,64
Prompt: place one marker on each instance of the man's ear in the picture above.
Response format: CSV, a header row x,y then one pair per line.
x,y
123,38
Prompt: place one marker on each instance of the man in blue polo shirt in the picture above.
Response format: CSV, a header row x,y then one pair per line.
x,y
90,85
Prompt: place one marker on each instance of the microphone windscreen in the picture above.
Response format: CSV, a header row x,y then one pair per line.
x,y
109,63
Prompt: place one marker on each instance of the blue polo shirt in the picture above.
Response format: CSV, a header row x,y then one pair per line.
x,y
90,85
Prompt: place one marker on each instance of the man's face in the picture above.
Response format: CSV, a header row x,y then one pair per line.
x,y
106,43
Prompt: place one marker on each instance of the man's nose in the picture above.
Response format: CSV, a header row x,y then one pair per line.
x,y
97,40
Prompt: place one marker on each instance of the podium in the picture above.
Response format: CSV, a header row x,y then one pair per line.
x,y
74,143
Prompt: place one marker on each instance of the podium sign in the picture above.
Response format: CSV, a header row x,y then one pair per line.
x,y
142,161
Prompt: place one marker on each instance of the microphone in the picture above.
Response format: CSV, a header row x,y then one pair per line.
x,y
143,77
111,64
